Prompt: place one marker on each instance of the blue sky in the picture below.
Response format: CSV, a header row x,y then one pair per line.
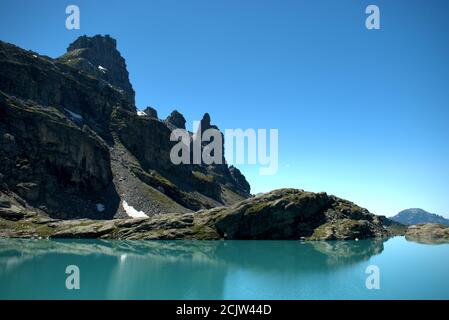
x,y
361,114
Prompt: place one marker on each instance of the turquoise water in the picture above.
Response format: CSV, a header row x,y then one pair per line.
x,y
35,269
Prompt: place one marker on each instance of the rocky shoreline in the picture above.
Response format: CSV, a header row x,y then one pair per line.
x,y
284,214
429,233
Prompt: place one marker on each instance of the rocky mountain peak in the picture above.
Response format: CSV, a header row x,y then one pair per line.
x,y
98,55
176,119
95,42
151,112
205,122
73,145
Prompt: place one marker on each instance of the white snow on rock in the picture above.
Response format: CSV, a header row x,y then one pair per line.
x,y
74,116
133,213
141,113
102,69
100,207
34,56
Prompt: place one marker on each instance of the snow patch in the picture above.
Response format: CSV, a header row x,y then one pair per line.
x,y
74,116
100,207
133,213
141,113
102,69
34,56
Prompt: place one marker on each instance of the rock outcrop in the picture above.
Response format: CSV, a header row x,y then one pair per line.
x,y
176,120
151,112
240,179
285,214
99,57
296,214
430,233
51,162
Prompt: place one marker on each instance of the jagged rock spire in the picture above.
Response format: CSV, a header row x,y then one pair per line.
x,y
151,112
99,56
176,119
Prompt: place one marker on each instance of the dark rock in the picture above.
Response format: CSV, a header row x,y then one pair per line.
x,y
205,122
28,190
147,139
151,112
5,204
176,119
70,138
240,180
99,56
56,159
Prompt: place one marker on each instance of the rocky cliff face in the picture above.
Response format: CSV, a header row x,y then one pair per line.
x,y
72,144
99,57
176,120
49,161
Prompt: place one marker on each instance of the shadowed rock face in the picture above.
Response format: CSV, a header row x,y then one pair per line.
x,y
285,214
50,162
176,120
430,233
239,179
73,146
151,112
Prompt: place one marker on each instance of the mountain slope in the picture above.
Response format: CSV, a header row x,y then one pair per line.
x,y
418,216
72,144
76,156
284,214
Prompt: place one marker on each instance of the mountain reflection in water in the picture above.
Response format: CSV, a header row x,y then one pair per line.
x,y
165,269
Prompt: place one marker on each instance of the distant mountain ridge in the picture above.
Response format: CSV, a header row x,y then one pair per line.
x,y
417,216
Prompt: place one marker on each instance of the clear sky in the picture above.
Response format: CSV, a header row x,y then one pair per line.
x,y
362,114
